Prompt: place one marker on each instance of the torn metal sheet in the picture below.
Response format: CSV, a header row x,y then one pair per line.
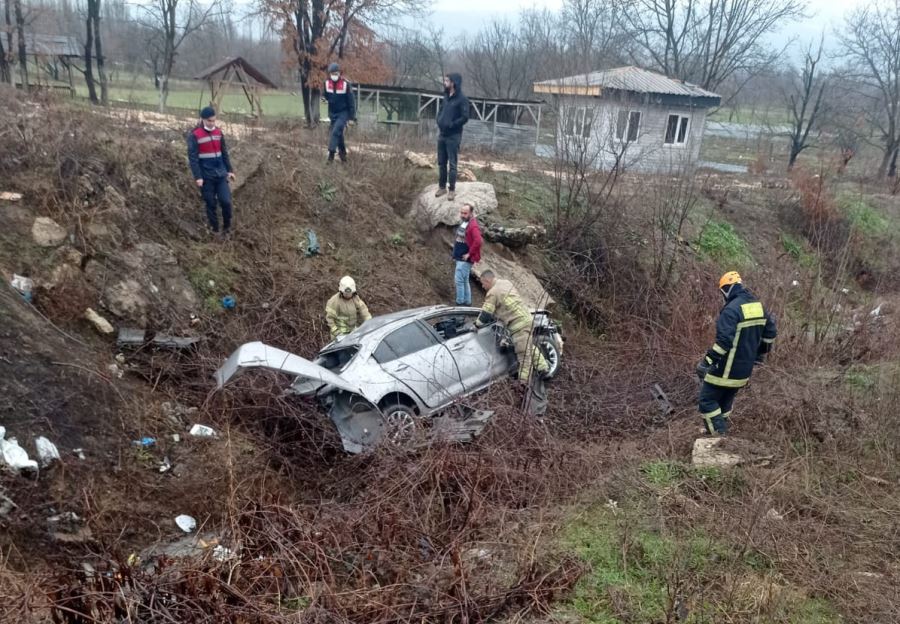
x,y
174,342
131,337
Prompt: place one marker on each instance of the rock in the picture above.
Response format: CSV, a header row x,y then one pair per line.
x,y
6,504
101,324
47,232
418,160
466,175
707,453
126,299
429,211
79,536
104,232
514,237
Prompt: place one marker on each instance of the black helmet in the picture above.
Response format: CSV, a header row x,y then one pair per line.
x,y
334,67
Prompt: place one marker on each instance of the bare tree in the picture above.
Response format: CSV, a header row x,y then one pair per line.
x,y
805,103
172,21
9,42
496,62
318,31
20,37
89,53
871,47
708,41
5,75
595,31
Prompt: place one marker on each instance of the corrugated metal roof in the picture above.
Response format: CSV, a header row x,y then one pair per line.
x,y
49,45
632,79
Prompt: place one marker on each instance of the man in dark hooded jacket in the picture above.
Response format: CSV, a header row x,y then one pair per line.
x,y
451,118
338,93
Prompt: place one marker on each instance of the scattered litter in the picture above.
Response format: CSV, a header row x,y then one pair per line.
x,y
220,553
211,283
15,456
795,283
662,400
265,306
154,288
176,413
101,324
133,560
228,302
195,320
772,514
202,431
176,437
46,450
876,312
79,453
174,342
845,291
6,504
25,286
312,244
115,371
186,523
131,337
10,196
144,442
612,505
165,465
120,358
69,516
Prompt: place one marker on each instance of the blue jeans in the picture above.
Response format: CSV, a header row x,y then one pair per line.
x,y
463,287
448,155
336,142
213,190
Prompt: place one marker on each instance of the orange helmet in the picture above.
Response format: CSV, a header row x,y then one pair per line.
x,y
729,279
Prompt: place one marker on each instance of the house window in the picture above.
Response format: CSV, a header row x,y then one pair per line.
x,y
627,125
677,129
578,121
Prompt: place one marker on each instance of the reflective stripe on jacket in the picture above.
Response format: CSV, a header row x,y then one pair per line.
x,y
345,315
744,331
207,153
340,98
504,302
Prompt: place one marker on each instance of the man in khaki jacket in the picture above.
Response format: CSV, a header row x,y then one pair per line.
x,y
504,303
346,310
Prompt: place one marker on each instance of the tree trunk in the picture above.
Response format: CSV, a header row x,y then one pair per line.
x,y
23,53
88,56
98,49
4,64
892,170
889,155
9,45
795,151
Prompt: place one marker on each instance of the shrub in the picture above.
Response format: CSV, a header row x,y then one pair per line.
x,y
720,243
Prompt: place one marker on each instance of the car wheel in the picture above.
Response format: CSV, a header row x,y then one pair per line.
x,y
400,422
550,353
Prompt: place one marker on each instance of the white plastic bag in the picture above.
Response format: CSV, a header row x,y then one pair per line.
x,y
15,456
202,431
186,523
46,450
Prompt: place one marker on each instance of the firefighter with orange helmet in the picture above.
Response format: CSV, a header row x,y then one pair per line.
x,y
745,332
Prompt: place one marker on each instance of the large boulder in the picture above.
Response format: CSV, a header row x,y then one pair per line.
x,y
514,237
429,211
143,278
48,233
709,453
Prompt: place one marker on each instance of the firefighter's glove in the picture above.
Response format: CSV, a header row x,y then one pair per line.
x,y
702,368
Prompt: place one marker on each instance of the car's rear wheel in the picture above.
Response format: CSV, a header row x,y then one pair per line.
x,y
551,354
400,422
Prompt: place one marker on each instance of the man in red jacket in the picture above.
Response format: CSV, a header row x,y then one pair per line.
x,y
466,252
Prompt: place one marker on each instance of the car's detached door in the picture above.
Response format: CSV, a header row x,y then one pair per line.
x,y
414,356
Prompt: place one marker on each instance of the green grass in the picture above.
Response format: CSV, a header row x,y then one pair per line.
x,y
211,282
521,196
632,566
797,250
865,218
721,244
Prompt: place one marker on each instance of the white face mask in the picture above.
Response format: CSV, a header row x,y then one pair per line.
x,y
334,77
209,125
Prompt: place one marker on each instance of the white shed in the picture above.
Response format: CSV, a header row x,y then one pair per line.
x,y
629,117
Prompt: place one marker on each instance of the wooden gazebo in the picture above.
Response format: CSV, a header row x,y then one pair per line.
x,y
235,70
47,55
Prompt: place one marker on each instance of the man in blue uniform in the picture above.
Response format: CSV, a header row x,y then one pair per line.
x,y
745,333
341,110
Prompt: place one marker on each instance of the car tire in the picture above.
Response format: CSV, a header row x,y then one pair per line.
x,y
400,422
551,353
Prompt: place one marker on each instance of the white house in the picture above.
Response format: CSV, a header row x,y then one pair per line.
x,y
629,116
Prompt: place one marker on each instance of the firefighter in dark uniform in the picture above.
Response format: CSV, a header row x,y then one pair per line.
x,y
744,335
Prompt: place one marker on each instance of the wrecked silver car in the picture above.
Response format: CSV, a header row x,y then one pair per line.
x,y
398,369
